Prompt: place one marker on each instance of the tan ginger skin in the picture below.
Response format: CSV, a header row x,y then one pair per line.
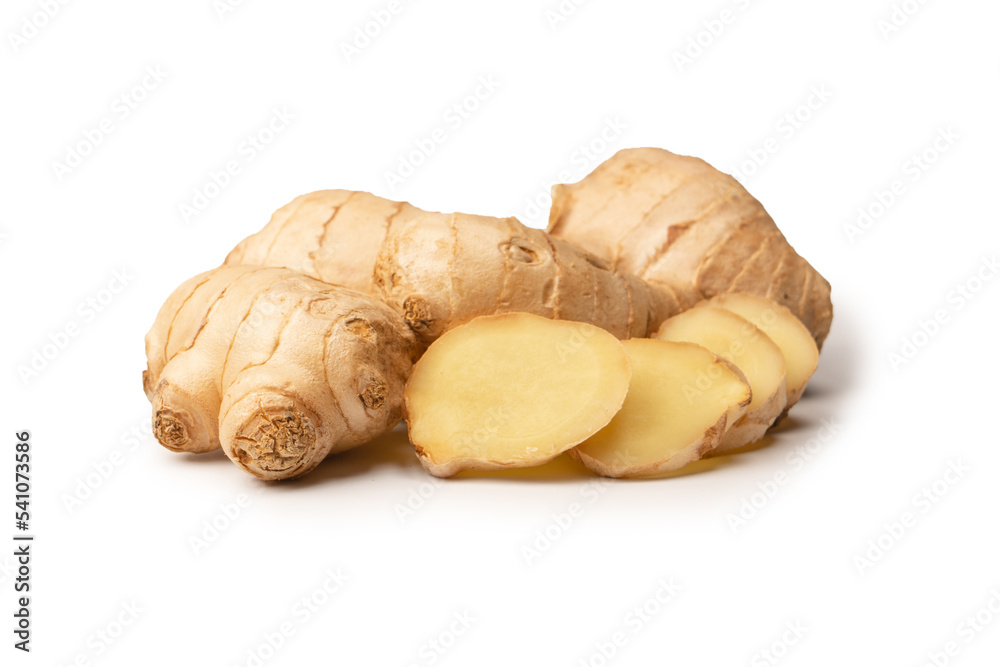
x,y
444,269
278,369
411,275
688,230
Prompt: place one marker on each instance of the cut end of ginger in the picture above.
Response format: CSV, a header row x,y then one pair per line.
x,y
738,341
681,401
512,390
786,330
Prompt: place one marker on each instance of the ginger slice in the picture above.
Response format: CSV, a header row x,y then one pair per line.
x,y
785,329
512,390
738,341
681,401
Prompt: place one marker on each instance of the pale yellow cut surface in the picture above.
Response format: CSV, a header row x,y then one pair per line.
x,y
736,340
785,329
512,390
681,401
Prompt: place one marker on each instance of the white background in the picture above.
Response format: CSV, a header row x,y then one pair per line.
x,y
803,556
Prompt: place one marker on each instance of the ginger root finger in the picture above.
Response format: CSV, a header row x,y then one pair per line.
x,y
681,401
330,235
689,230
442,273
512,390
324,376
296,368
781,326
731,337
193,296
184,348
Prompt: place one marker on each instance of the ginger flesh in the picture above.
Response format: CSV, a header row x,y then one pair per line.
x,y
681,401
512,390
738,341
784,328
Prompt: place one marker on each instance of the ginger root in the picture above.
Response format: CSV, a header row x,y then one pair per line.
x,y
512,390
681,401
441,270
331,235
267,359
278,369
688,230
444,272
